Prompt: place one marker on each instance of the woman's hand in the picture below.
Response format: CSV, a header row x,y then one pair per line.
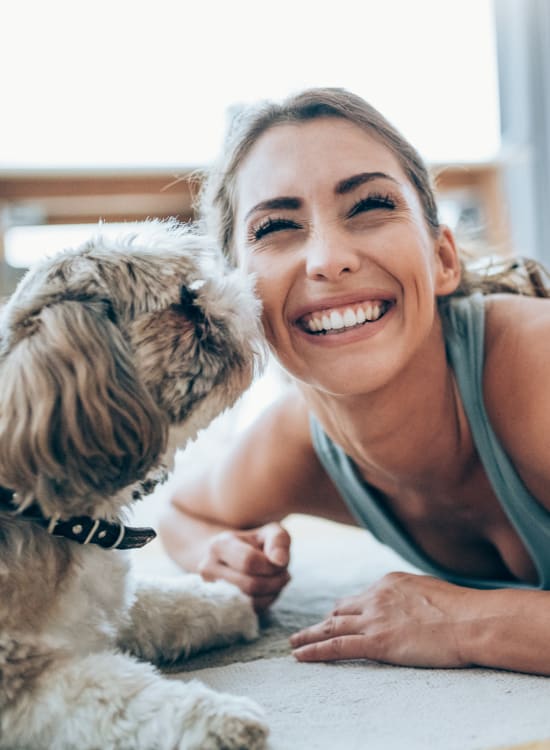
x,y
403,619
255,560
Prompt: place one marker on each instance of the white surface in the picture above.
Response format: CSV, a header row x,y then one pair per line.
x,y
125,83
355,706
359,705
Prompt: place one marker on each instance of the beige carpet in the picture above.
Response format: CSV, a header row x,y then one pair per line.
x,y
358,705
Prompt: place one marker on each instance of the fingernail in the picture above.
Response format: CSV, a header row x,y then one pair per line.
x,y
278,557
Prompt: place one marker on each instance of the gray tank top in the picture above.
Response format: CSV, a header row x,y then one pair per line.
x,y
464,328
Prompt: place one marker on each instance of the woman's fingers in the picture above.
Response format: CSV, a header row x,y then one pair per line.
x,y
254,560
254,586
347,607
332,627
227,548
263,590
335,638
333,649
275,542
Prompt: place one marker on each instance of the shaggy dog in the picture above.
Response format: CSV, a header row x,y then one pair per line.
x,y
111,356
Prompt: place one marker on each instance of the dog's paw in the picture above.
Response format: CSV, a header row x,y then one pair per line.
x,y
177,617
236,611
227,722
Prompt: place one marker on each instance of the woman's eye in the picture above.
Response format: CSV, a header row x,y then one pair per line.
x,y
371,203
272,225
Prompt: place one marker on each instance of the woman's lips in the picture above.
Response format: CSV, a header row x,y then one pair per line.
x,y
347,323
340,318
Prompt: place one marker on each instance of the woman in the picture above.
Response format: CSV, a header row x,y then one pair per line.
x,y
419,408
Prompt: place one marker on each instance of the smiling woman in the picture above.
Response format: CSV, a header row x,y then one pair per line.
x,y
416,405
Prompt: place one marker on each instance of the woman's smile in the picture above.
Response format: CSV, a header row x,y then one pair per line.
x,y
335,319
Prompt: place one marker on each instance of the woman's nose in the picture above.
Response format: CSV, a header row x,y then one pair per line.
x,y
329,257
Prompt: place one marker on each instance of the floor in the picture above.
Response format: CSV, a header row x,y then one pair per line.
x,y
358,704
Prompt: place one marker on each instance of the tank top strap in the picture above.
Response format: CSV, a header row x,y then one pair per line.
x,y
464,326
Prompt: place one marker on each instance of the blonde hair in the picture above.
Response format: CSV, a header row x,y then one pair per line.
x,y
218,194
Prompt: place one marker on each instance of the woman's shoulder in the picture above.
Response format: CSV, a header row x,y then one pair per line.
x,y
289,416
515,379
516,330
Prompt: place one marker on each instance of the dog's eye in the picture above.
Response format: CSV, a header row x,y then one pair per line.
x,y
187,297
189,306
110,310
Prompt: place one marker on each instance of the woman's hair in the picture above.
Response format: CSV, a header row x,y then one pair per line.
x,y
217,200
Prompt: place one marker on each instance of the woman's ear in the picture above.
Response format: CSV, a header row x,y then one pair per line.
x,y
448,266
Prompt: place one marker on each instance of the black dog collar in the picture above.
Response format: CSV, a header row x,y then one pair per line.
x,y
81,529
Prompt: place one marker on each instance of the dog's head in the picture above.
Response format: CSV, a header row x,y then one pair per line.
x,y
107,348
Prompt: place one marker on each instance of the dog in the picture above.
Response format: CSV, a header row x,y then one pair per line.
x,y
112,356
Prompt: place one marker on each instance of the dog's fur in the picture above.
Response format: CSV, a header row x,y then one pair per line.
x,y
111,356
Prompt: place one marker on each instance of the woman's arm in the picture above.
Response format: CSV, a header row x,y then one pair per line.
x,y
225,523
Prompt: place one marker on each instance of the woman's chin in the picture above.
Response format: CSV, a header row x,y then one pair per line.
x,y
345,377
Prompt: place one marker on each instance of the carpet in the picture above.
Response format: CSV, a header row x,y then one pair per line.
x,y
358,704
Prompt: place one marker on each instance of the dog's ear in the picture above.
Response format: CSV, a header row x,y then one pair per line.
x,y
76,423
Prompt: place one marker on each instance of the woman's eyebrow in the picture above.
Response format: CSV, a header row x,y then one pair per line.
x,y
350,183
276,204
344,186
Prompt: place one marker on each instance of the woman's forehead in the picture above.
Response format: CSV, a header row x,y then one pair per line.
x,y
293,158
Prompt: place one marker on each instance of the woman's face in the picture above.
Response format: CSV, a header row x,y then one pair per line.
x,y
346,267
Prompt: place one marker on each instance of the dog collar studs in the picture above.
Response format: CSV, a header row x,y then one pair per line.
x,y
80,529
86,530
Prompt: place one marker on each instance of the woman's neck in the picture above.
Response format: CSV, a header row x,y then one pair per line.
x,y
412,432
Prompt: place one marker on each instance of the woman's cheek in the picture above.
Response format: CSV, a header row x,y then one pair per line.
x,y
270,315
274,282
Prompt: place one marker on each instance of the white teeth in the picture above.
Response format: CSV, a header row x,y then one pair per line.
x,y
336,319
372,312
350,318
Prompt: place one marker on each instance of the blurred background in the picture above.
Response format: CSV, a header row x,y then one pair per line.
x,y
109,106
